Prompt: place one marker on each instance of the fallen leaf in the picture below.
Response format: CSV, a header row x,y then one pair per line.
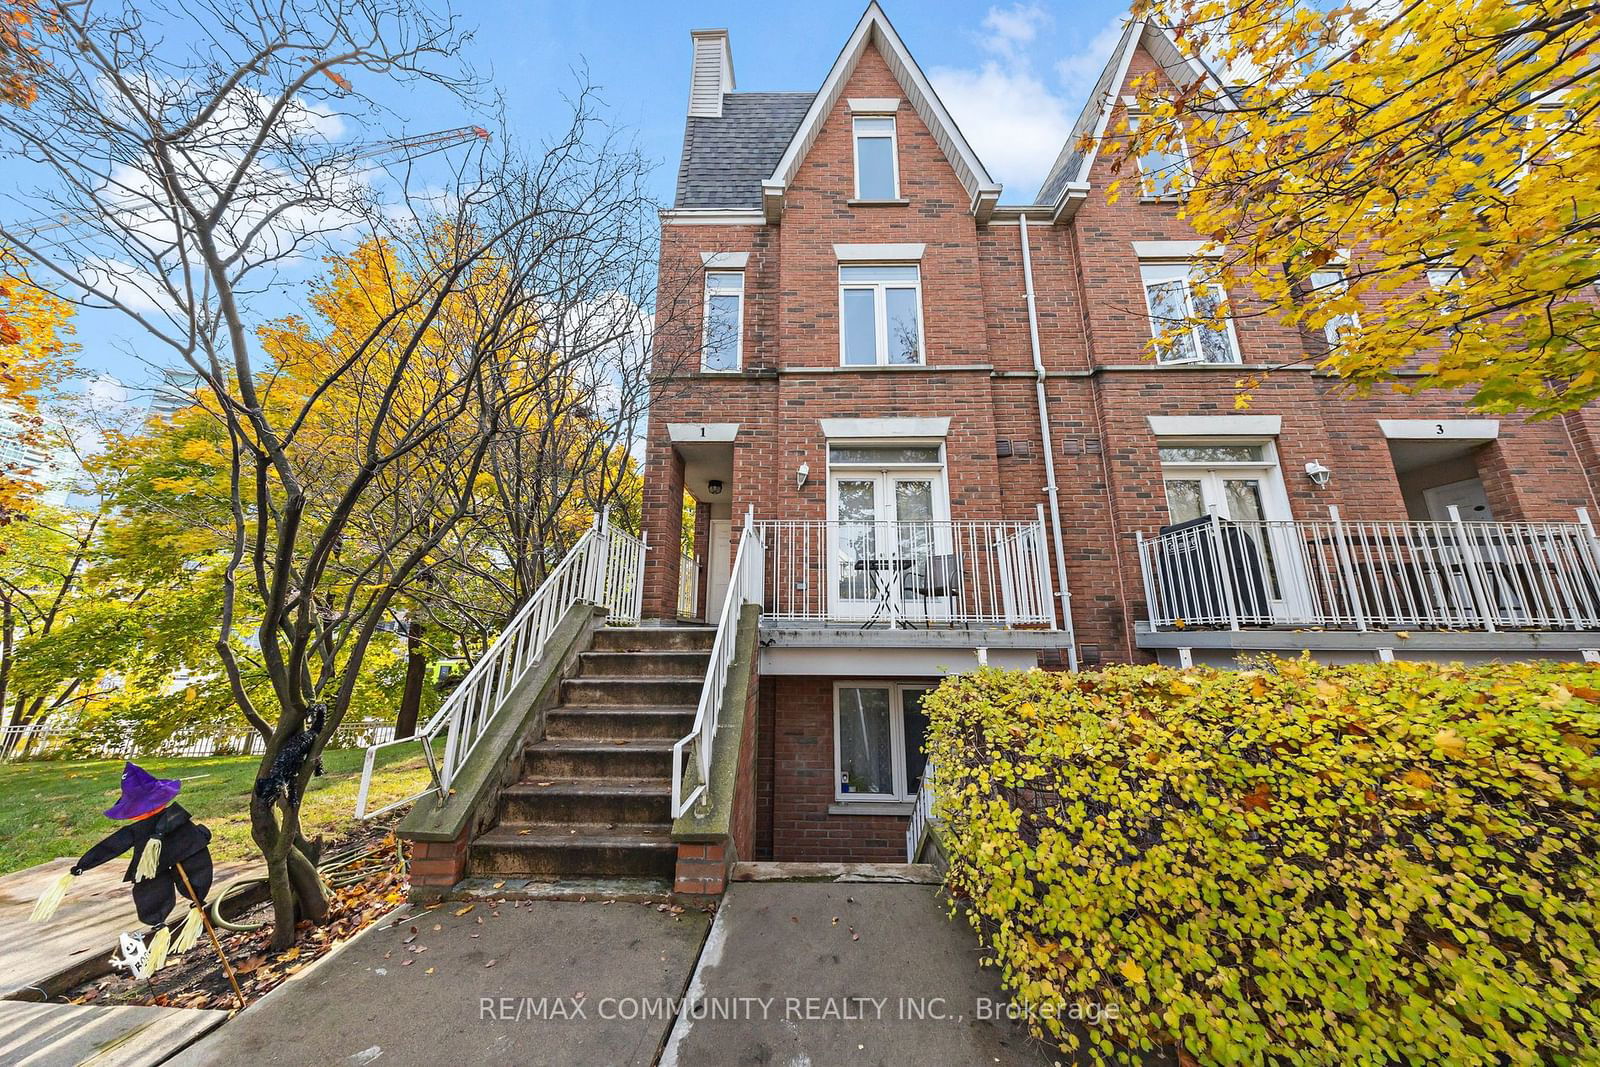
x,y
491,963
463,911
428,971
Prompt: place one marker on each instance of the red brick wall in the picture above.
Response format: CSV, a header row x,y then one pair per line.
x,y
803,786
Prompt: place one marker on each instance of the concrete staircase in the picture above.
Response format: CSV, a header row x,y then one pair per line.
x,y
594,800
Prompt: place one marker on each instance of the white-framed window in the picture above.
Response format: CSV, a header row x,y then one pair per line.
x,y
1329,282
1162,173
721,349
880,314
1179,310
877,158
879,740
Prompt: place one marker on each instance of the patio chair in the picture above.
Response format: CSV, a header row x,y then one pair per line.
x,y
933,577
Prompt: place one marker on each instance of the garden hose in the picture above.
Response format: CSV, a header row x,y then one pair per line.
x,y
337,871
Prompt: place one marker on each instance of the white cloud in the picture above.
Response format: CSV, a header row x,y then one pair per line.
x,y
1010,29
1010,117
1079,70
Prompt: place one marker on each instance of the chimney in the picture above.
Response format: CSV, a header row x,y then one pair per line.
x,y
712,72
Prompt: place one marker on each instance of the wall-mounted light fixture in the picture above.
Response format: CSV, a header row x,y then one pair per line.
x,y
801,475
1318,474
714,487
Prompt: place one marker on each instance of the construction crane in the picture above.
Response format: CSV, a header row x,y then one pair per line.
x,y
402,148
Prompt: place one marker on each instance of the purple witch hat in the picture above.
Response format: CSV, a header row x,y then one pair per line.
x,y
142,793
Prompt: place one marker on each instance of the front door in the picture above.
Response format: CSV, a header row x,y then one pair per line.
x,y
719,565
1467,496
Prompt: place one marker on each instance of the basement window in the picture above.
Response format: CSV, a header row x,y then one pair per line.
x,y
879,741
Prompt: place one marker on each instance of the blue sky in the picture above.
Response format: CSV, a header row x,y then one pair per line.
x,y
1014,75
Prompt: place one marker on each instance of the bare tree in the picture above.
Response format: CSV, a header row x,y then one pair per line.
x,y
189,178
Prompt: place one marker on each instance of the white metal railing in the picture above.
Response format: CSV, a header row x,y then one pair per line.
x,y
961,573
1367,574
57,740
688,586
921,816
745,584
605,568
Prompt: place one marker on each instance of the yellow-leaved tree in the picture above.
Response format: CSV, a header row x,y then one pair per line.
x,y
35,350
1416,185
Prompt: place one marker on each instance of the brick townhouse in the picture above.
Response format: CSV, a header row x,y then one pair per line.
x,y
937,410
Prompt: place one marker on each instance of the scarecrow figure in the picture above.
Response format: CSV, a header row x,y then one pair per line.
x,y
162,835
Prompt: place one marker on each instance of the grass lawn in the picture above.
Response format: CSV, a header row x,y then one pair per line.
x,y
53,808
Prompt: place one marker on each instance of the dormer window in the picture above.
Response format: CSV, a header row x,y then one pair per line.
x,y
877,163
1163,172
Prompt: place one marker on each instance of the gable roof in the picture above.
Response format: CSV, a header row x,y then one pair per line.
x,y
726,157
874,28
1071,168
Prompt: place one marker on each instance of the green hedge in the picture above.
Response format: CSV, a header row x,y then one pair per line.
x,y
1392,863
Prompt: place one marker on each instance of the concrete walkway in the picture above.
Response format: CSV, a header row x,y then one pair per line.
x,y
547,982
834,972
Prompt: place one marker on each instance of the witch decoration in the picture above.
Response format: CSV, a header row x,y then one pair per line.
x,y
171,855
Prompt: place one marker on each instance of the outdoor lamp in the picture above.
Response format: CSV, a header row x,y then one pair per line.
x,y
714,487
1319,475
801,475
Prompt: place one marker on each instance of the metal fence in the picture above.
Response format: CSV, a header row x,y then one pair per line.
x,y
1455,575
963,573
72,741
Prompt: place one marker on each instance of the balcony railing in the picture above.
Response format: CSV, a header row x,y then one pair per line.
x,y
908,574
1365,575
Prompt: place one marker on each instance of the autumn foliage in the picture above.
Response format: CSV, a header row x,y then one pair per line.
x,y
1413,184
1295,864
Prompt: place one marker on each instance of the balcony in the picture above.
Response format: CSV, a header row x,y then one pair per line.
x,y
908,575
1494,580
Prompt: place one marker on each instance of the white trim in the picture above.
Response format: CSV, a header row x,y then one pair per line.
x,y
875,28
707,216
724,260
1215,425
1440,429
874,105
689,433
856,137
885,253
888,427
1185,250
1107,93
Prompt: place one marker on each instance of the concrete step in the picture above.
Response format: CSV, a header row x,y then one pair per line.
x,y
647,757
635,691
654,638
610,723
610,801
674,663
543,850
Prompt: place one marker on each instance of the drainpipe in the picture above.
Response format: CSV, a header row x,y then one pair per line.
x,y
1049,448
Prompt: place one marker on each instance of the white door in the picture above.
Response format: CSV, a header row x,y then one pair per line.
x,y
1254,499
1468,496
886,530
719,566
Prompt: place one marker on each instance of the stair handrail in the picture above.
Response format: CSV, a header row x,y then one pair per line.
x,y
605,568
745,585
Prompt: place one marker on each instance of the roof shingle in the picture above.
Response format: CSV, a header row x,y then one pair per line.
x,y
726,159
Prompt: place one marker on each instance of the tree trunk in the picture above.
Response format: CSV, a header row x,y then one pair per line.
x,y
297,892
405,724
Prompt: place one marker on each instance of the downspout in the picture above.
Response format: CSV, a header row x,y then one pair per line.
x,y
1049,447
